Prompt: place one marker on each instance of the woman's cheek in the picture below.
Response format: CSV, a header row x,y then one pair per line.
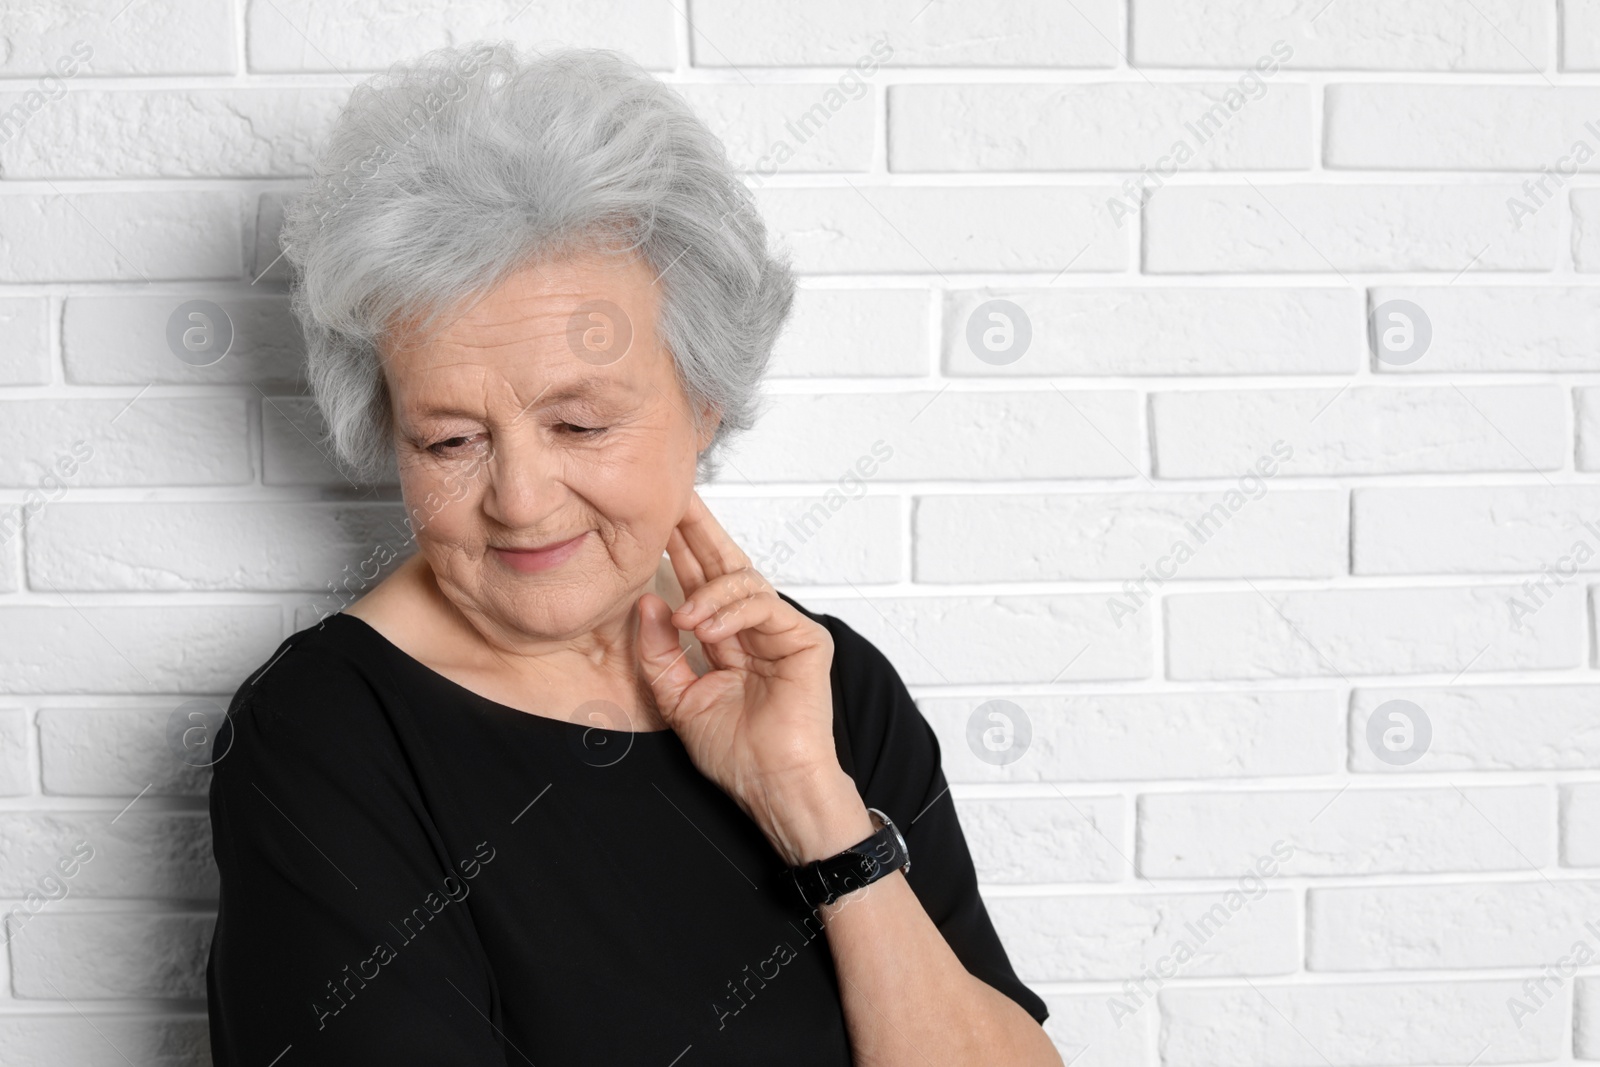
x,y
658,508
625,478
439,501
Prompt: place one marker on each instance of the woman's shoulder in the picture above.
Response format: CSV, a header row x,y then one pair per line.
x,y
313,729
322,678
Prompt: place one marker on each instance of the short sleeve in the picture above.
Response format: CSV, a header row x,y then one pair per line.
x,y
342,930
897,770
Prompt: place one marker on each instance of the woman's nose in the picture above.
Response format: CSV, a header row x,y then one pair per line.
x,y
523,478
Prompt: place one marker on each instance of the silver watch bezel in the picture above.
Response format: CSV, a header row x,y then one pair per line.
x,y
884,819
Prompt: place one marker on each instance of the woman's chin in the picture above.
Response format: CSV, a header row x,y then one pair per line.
x,y
555,609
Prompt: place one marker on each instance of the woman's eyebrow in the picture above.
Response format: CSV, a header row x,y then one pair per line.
x,y
581,389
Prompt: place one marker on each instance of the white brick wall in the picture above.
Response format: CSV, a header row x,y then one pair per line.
x,y
1200,532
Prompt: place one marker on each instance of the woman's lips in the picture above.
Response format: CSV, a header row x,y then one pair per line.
x,y
542,559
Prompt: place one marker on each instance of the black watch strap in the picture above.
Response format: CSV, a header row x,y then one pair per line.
x,y
826,880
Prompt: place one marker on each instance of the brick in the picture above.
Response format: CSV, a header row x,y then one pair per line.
x,y
991,639
1344,632
1259,532
1105,936
1460,127
1086,1034
1354,1025
1580,49
1111,126
833,33
268,264
16,771
1231,229
165,855
1580,821
876,228
100,649
1033,840
1501,328
940,434
122,340
173,133
789,129
1586,426
1497,35
1347,831
170,37
140,441
1223,433
237,545
1586,1019
11,524
1489,728
1166,331
105,1040
1523,529
1100,737
102,237
110,955
1585,229
835,537
853,333
119,751
295,447
1422,927
302,35
24,341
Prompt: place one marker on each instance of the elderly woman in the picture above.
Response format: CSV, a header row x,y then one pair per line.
x,y
574,784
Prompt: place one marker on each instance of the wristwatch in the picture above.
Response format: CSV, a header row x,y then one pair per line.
x,y
826,880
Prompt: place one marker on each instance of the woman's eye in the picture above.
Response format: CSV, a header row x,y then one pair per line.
x,y
448,445
583,431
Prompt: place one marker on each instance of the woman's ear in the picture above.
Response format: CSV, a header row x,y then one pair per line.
x,y
710,420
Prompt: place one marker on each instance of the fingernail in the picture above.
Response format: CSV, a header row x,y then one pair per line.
x,y
687,609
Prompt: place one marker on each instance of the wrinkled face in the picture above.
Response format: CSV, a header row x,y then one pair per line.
x,y
546,414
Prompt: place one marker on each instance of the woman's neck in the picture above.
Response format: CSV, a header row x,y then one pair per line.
x,y
552,678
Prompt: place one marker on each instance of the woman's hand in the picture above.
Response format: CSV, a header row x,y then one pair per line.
x,y
760,722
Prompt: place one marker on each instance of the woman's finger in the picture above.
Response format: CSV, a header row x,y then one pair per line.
x,y
662,658
717,552
687,569
716,594
763,625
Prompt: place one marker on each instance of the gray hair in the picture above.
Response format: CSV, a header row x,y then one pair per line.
x,y
444,176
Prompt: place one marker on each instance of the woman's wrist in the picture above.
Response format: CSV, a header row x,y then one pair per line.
x,y
813,816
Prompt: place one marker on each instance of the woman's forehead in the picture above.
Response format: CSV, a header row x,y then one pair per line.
x,y
544,322
465,392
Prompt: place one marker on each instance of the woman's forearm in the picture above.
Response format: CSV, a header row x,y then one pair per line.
x,y
908,1000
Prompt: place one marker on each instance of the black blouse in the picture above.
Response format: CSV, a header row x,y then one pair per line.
x,y
413,873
